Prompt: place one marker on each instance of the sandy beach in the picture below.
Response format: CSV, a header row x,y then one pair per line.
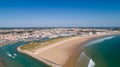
x,y
64,53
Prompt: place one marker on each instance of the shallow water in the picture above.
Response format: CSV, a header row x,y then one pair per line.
x,y
12,58
104,52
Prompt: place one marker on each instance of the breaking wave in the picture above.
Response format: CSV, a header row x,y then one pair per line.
x,y
99,40
91,63
85,61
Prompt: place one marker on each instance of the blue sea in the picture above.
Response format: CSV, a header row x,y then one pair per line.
x,y
103,52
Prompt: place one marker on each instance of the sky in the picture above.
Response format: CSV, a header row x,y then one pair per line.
x,y
59,13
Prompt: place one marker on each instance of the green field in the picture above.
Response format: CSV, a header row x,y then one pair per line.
x,y
35,45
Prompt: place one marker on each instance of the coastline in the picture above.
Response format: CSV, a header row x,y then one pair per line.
x,y
6,43
78,50
70,53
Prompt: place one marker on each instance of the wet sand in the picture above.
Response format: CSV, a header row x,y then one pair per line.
x,y
64,53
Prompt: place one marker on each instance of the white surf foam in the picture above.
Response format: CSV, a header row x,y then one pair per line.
x,y
99,40
83,60
103,39
108,38
91,63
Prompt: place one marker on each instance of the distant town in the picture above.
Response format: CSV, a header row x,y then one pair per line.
x,y
13,35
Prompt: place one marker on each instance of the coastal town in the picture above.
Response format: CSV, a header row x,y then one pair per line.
x,y
59,33
15,35
63,51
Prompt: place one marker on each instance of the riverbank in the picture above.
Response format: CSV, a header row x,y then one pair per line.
x,y
64,53
5,43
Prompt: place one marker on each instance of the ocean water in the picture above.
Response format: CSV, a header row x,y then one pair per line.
x,y
103,52
12,58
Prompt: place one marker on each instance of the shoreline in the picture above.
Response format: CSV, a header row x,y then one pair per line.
x,y
78,51
72,54
7,43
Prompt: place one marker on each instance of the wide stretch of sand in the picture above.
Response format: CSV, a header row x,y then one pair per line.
x,y
62,54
